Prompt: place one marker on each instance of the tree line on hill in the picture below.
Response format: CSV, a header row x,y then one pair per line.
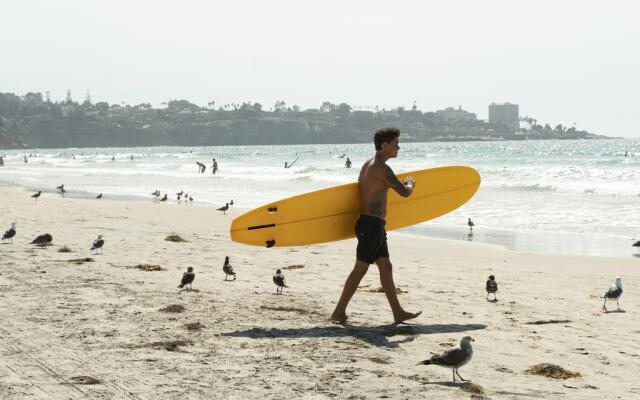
x,y
34,121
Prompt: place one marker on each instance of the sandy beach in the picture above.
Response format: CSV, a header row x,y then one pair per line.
x,y
104,330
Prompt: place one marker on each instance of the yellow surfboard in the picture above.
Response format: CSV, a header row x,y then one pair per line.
x,y
330,214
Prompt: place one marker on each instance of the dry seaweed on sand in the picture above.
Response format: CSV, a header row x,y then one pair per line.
x,y
381,290
194,326
170,345
64,249
296,266
81,260
477,391
85,380
148,267
549,321
174,237
173,308
551,371
289,309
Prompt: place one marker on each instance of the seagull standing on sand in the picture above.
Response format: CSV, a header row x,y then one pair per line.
x,y
42,240
187,279
224,209
471,224
99,196
10,233
97,244
190,199
453,358
280,282
231,202
156,193
35,196
637,244
492,287
614,293
61,187
228,269
164,198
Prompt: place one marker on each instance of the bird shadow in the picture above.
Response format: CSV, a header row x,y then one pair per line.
x,y
450,383
380,336
614,311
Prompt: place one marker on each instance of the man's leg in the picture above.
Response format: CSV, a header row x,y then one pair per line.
x,y
350,287
389,287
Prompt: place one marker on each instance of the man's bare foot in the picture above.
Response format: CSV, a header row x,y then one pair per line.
x,y
340,318
404,316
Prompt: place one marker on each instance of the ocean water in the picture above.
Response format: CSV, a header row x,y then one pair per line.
x,y
569,197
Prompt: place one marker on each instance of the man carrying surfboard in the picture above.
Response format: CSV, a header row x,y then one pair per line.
x,y
375,179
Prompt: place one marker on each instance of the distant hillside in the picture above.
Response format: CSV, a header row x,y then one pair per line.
x,y
31,121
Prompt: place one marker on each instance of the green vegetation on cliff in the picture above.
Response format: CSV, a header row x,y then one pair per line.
x,y
31,121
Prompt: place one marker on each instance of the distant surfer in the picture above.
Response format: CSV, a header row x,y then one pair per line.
x,y
201,167
347,164
214,167
286,165
375,179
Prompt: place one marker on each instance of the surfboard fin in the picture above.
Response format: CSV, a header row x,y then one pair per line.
x,y
270,243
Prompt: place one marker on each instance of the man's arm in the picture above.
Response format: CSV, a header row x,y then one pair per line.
x,y
403,189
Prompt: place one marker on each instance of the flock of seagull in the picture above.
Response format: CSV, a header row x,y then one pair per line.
x,y
189,276
181,196
45,239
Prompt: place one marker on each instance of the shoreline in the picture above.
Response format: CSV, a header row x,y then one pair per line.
x,y
549,243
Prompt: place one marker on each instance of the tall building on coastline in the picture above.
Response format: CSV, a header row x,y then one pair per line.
x,y
506,115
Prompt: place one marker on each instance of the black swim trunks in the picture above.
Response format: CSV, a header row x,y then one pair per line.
x,y
372,239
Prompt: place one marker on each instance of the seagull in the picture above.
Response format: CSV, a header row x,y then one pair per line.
x,y
164,198
453,358
231,202
614,293
42,240
190,199
187,279
10,233
97,244
280,282
492,287
180,193
156,193
224,208
99,196
35,196
637,244
61,187
471,224
228,269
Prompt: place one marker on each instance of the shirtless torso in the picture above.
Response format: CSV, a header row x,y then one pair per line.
x,y
375,179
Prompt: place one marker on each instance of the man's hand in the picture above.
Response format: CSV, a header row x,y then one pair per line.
x,y
409,181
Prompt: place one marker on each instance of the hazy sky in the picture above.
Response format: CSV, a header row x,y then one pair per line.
x,y
562,61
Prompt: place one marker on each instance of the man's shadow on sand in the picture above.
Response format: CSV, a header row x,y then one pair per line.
x,y
381,336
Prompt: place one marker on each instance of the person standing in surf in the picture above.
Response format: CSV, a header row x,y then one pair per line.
x,y
375,179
